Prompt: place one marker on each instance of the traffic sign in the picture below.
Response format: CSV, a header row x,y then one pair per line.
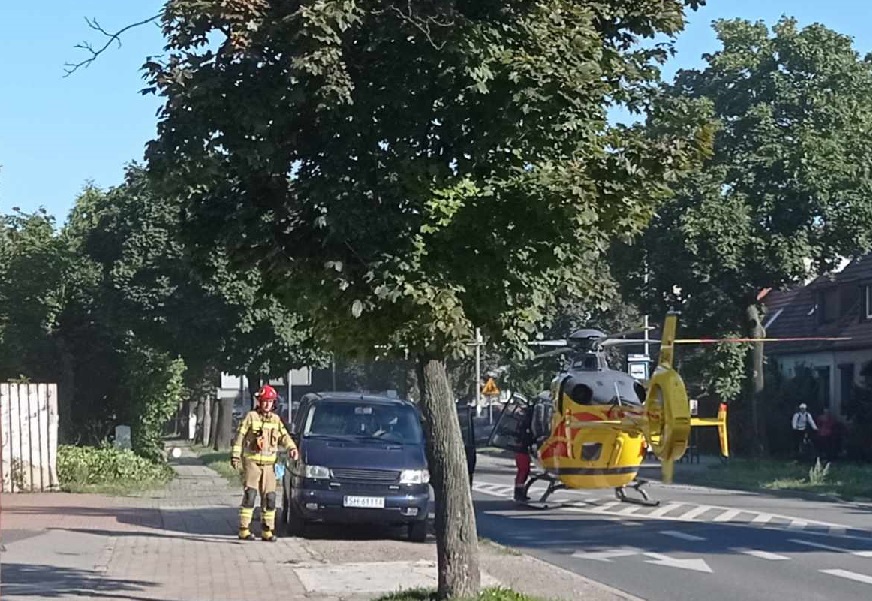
x,y
490,388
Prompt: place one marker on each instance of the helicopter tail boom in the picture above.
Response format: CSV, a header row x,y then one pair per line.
x,y
720,422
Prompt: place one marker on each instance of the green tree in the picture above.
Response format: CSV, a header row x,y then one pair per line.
x,y
785,194
405,171
33,262
211,317
154,381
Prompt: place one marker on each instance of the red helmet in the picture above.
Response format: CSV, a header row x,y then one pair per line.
x,y
266,393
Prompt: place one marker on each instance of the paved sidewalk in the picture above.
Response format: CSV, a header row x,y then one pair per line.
x,y
179,544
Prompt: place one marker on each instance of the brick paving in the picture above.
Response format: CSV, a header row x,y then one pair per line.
x,y
179,544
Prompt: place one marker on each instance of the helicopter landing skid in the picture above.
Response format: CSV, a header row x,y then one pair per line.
x,y
621,494
553,486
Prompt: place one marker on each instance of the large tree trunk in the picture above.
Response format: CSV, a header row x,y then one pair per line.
x,y
199,431
456,534
755,375
253,386
215,415
66,391
207,419
224,432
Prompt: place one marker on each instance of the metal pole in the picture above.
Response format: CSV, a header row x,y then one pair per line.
x,y
478,371
333,365
647,337
290,395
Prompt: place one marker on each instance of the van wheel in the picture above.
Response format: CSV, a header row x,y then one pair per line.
x,y
418,531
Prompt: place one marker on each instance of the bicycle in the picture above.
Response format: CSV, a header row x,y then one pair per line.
x,y
806,449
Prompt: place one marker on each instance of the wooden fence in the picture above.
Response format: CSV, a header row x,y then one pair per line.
x,y
29,436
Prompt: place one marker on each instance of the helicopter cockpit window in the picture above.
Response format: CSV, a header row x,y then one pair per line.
x,y
581,394
641,393
615,392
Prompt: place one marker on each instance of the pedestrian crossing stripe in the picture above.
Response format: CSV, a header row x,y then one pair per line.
x,y
685,512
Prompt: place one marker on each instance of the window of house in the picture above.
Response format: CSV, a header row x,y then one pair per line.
x,y
823,378
846,372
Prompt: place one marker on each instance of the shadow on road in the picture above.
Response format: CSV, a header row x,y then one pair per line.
x,y
561,531
50,582
195,524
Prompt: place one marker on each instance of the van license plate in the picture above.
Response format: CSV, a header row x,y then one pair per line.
x,y
365,502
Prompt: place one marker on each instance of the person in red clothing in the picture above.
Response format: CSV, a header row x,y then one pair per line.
x,y
522,465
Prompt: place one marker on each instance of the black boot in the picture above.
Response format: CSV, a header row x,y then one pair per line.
x,y
521,494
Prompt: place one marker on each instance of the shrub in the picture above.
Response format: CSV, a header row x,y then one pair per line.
x,y
105,465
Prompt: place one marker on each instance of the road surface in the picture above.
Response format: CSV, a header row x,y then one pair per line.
x,y
699,543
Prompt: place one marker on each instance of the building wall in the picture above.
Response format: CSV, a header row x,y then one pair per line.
x,y
851,360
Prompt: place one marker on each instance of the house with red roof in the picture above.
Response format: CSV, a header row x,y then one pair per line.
x,y
837,305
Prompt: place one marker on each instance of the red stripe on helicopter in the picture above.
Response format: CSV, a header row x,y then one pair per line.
x,y
587,417
558,448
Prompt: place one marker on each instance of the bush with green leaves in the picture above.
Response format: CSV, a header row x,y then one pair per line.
x,y
83,466
155,382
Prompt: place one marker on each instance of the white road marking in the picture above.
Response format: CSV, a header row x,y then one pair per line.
x,y
695,512
606,556
726,516
762,554
596,505
808,543
696,564
849,575
604,507
661,511
681,535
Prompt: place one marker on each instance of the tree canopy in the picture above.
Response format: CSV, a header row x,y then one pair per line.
x,y
784,195
402,172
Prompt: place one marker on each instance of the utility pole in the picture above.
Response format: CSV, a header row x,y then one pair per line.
x,y
477,343
647,336
291,395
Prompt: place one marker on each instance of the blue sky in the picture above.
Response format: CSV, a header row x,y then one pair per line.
x,y
58,133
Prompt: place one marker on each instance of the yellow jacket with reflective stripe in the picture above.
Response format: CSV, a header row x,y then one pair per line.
x,y
259,437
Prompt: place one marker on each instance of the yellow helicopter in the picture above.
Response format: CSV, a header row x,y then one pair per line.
x,y
596,425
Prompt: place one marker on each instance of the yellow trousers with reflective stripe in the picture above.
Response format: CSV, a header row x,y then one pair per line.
x,y
260,478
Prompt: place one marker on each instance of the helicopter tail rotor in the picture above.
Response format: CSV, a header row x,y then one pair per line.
x,y
668,421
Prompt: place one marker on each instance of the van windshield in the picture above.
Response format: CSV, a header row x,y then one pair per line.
x,y
394,423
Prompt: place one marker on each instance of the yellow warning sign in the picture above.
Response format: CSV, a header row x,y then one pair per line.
x,y
490,388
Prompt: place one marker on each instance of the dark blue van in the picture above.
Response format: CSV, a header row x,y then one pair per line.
x,y
362,460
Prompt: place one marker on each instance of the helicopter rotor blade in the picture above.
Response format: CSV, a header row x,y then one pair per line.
x,y
559,342
554,353
639,330
629,341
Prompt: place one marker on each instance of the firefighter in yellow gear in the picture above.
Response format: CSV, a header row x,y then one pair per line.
x,y
256,446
